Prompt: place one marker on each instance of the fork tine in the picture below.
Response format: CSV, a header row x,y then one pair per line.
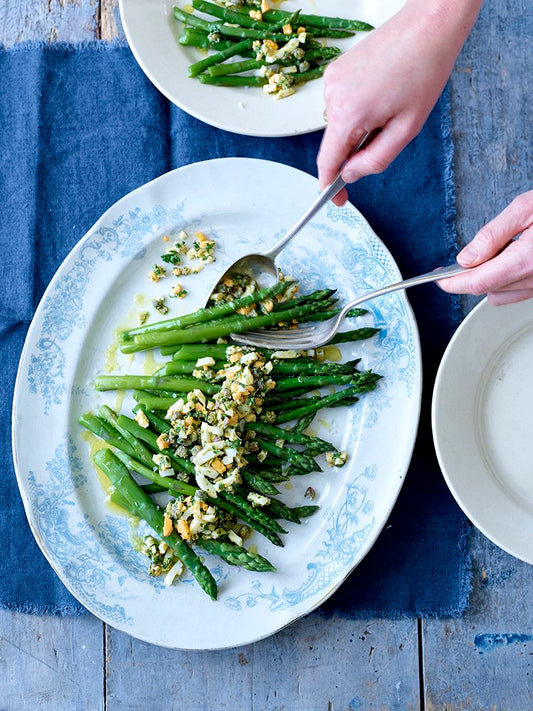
x,y
283,339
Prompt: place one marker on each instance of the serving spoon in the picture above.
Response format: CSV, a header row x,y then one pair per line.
x,y
261,267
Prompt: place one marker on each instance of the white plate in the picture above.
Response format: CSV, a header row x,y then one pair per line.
x,y
482,423
96,291
152,34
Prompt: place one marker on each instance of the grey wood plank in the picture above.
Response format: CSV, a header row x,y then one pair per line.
x,y
110,25
51,663
312,665
490,90
483,660
52,21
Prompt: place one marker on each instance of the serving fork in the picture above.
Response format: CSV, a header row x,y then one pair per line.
x,y
321,333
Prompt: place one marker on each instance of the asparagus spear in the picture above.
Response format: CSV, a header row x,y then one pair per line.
x,y
218,329
236,555
256,482
227,15
203,64
199,38
181,367
280,510
291,455
277,16
190,20
315,53
210,313
316,381
297,367
109,434
319,445
150,438
318,295
145,508
238,80
357,334
319,21
257,514
152,402
305,511
364,385
303,423
140,451
145,382
233,80
302,402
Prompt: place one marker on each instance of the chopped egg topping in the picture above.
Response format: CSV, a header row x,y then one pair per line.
x,y
212,430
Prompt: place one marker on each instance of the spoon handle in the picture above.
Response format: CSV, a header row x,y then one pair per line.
x,y
329,192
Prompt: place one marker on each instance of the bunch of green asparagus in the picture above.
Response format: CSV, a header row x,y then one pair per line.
x,y
191,385
284,48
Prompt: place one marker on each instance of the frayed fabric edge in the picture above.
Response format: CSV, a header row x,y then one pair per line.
x,y
71,610
91,45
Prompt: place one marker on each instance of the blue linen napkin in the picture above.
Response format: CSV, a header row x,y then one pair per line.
x,y
85,127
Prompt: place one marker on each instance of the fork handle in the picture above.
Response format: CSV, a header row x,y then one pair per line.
x,y
435,275
327,194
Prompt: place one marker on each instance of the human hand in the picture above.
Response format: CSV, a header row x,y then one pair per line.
x,y
505,271
390,81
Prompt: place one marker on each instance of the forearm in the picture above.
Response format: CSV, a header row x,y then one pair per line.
x,y
444,23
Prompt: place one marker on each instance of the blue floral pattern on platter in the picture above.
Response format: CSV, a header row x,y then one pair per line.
x,y
89,546
75,544
351,527
62,309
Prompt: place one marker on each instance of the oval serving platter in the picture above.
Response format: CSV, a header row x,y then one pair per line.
x,y
99,288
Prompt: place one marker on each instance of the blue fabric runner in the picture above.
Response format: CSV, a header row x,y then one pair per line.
x,y
81,127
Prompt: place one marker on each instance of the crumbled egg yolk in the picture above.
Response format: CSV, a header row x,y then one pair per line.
x,y
213,429
336,459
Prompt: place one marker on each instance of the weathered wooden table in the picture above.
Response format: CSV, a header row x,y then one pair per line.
x,y
482,661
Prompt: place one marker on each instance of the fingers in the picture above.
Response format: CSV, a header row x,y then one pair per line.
x,y
501,298
337,146
511,270
501,255
380,152
340,198
491,238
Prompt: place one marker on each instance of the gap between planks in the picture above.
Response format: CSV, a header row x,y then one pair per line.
x,y
106,22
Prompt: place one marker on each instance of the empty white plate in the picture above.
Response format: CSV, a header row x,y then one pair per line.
x,y
483,423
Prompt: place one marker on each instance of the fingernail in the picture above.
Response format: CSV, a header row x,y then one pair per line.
x,y
469,255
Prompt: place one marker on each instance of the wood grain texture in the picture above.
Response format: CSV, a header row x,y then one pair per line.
x,y
485,659
109,25
51,663
490,95
313,665
48,20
